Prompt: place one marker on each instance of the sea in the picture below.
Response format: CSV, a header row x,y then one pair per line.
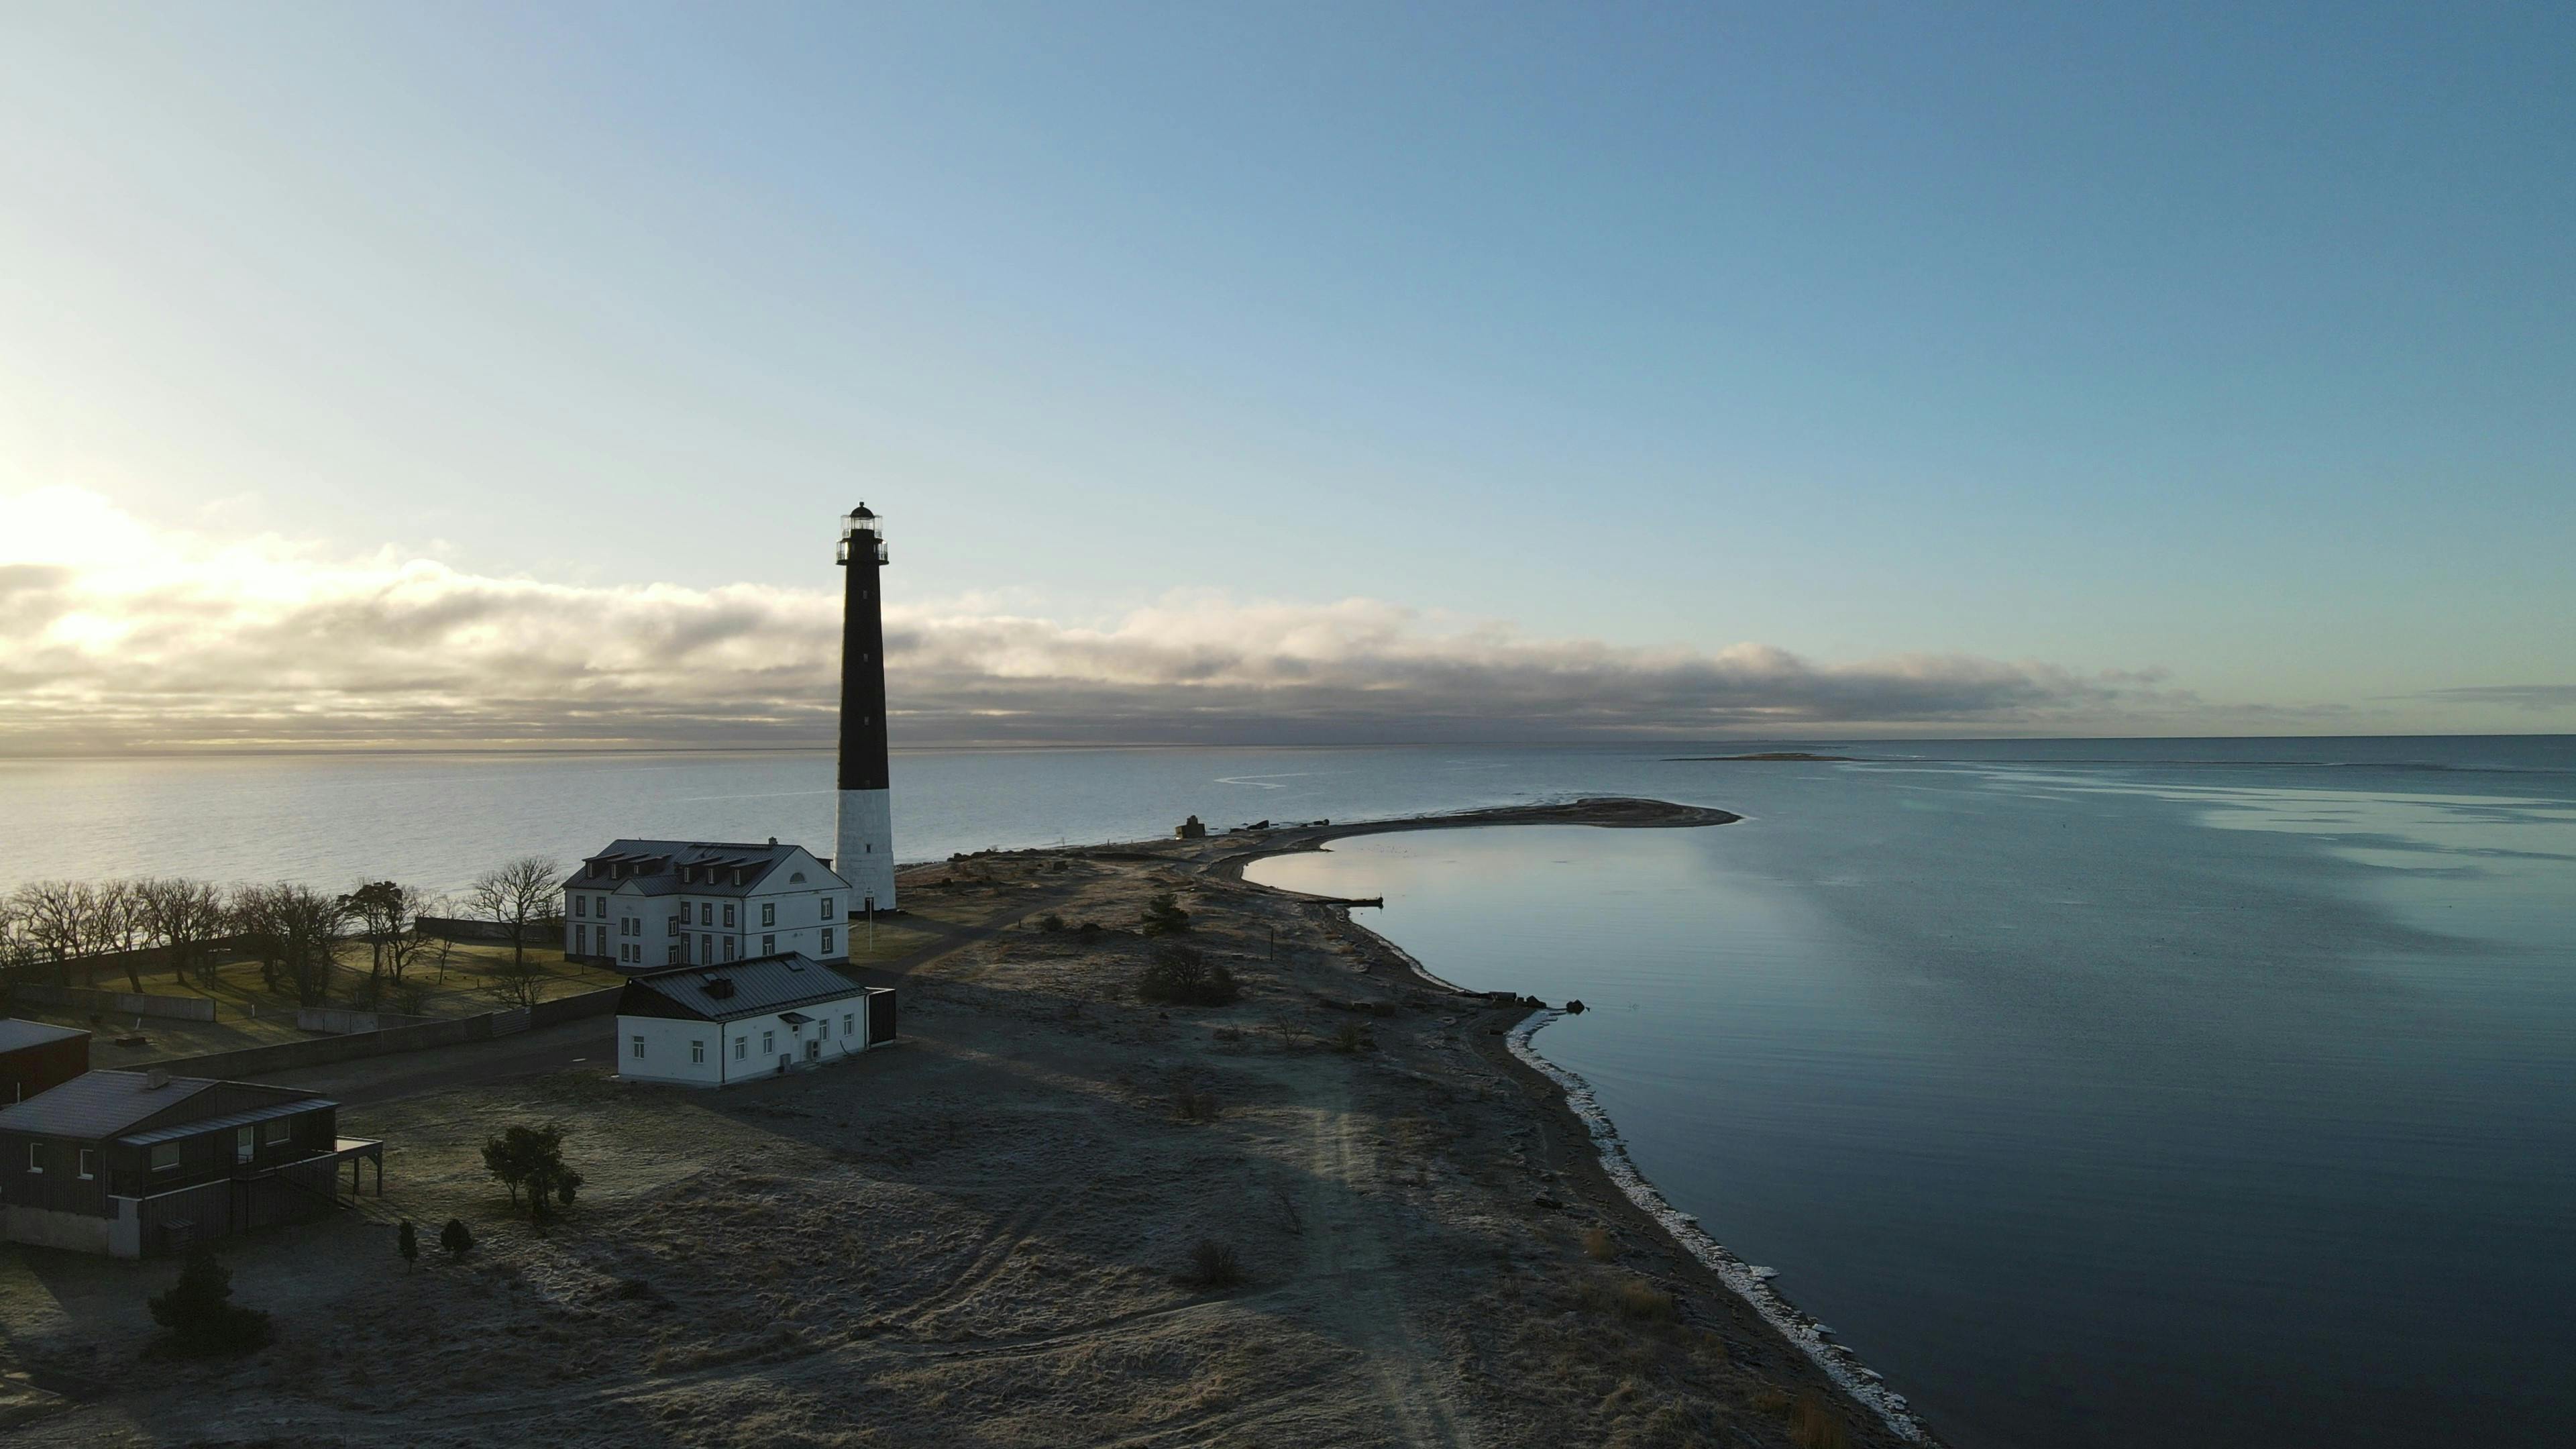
x,y
2095,1092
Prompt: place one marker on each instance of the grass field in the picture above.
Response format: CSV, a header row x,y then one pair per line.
x,y
248,1014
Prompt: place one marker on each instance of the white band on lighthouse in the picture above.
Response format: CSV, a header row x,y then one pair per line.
x,y
866,846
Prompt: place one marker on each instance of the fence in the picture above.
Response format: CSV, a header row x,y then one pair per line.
x,y
115,1003
340,1021
545,931
323,1051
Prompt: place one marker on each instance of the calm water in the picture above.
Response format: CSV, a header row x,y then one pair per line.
x,y
2099,1093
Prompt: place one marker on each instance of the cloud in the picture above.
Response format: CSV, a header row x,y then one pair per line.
x,y
114,636
2512,696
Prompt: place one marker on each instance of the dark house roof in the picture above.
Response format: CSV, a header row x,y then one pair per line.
x,y
98,1105
697,867
756,987
244,1118
15,1034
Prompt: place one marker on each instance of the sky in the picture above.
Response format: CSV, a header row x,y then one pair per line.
x,y
381,376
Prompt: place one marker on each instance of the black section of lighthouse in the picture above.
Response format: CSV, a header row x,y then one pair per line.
x,y
866,831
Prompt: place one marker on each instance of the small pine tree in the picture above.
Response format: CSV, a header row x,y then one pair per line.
x,y
407,1243
1164,916
455,1238
199,1312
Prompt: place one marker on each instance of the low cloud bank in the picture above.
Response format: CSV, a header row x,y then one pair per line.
x,y
113,637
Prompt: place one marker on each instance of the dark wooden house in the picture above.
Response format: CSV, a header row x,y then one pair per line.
x,y
35,1057
139,1163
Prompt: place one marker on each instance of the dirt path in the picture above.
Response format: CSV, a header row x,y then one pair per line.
x,y
1348,1254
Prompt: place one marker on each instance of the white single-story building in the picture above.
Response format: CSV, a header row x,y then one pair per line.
x,y
707,1026
642,905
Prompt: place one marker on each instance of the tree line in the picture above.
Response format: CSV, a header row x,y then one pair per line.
x,y
50,928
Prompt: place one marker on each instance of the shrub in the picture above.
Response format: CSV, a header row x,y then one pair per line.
x,y
532,1158
1641,1299
1164,916
1196,1106
1814,1424
199,1312
1088,930
1351,1037
1184,975
1212,1265
1599,1246
456,1238
407,1243
1051,923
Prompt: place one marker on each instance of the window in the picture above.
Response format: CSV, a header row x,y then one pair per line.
x,y
769,945
88,1164
35,1157
769,913
706,948
849,1024
827,940
823,1027
768,1042
671,927
581,905
728,920
797,879
697,1051
827,908
741,1047
729,951
281,1130
246,1144
165,1158
639,1048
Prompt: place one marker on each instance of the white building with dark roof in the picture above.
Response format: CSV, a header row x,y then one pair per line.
x,y
646,905
709,1026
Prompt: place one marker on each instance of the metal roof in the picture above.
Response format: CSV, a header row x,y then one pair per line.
x,y
666,857
761,985
97,1105
230,1119
15,1033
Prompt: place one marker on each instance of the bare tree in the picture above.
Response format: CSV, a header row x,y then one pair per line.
x,y
54,914
18,953
294,930
517,983
247,913
515,896
309,924
123,925
185,916
442,945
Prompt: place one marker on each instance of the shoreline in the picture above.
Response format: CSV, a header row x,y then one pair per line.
x,y
1565,1094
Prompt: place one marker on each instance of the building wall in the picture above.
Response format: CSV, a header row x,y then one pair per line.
x,y
73,1232
33,1069
642,931
59,1187
735,1049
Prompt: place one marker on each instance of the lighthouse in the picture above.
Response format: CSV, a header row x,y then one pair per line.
x,y
866,837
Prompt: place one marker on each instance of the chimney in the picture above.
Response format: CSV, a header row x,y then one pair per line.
x,y
155,1079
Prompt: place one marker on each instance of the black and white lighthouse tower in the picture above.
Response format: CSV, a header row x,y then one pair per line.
x,y
866,837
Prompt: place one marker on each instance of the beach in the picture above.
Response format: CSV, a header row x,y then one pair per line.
x,y
987,1234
